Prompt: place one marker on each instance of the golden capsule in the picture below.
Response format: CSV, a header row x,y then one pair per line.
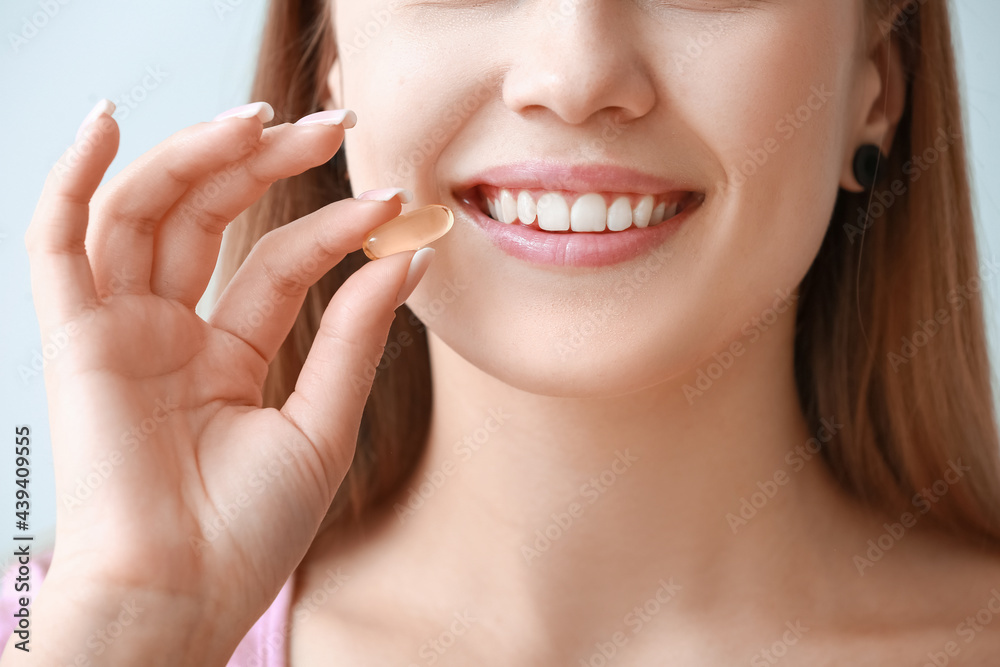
x,y
409,231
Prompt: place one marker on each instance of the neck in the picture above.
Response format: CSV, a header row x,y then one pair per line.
x,y
614,500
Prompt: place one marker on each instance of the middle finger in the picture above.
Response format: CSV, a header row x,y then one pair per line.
x,y
187,243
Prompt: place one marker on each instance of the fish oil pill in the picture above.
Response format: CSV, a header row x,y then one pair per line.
x,y
409,231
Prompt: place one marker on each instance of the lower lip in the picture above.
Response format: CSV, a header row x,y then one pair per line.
x,y
575,248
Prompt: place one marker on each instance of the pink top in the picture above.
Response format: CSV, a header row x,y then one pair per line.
x,y
265,645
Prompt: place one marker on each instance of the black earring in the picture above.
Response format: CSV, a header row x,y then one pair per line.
x,y
866,160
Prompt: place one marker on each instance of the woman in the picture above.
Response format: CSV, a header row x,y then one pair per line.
x,y
710,383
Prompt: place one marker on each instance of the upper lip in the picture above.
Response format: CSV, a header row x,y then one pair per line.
x,y
545,175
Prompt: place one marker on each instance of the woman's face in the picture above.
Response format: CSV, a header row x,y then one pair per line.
x,y
753,106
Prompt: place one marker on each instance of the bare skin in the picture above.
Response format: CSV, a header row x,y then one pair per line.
x,y
602,484
117,270
561,81
802,560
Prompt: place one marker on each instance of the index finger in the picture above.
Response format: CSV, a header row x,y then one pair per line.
x,y
61,278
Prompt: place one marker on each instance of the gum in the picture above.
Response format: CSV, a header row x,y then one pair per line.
x,y
409,231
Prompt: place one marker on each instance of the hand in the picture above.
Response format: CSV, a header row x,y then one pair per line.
x,y
211,500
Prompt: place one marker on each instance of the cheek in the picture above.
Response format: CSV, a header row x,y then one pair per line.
x,y
413,90
766,97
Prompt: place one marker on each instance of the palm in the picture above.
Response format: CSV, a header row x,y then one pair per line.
x,y
170,475
177,403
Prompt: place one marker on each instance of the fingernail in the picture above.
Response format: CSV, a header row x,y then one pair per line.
x,y
385,194
344,117
418,266
104,106
262,110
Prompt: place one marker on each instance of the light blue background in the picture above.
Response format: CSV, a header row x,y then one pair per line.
x,y
203,54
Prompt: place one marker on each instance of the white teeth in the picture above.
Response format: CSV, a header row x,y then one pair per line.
x,y
553,213
657,216
589,214
507,207
526,209
642,211
619,215
670,211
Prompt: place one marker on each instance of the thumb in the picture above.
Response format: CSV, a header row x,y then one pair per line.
x,y
336,378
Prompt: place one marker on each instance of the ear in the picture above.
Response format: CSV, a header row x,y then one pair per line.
x,y
882,101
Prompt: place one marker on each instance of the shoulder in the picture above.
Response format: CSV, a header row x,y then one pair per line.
x,y
936,599
967,594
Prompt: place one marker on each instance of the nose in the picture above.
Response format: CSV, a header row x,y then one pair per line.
x,y
577,59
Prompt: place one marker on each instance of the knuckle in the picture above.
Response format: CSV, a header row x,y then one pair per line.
x,y
333,329
278,275
122,208
205,218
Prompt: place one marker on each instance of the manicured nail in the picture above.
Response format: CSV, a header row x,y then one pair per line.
x,y
418,266
385,194
344,117
262,110
104,106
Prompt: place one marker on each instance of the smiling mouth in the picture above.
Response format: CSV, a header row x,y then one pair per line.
x,y
559,211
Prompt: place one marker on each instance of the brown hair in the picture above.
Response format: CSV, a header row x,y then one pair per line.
x,y
890,332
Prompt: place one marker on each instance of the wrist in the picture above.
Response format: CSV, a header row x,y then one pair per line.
x,y
79,621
